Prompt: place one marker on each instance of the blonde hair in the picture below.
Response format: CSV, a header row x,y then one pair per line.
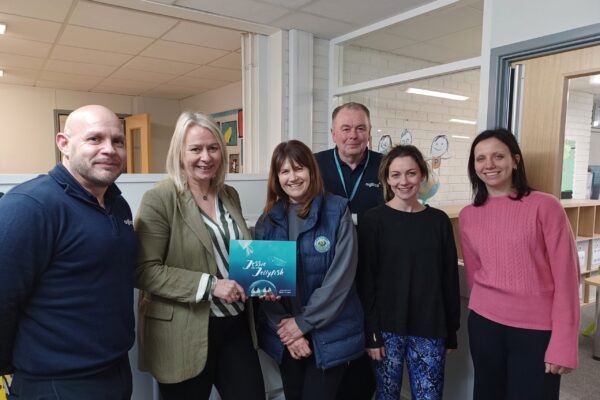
x,y
174,165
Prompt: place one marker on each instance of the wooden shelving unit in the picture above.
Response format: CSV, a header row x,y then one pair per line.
x,y
584,216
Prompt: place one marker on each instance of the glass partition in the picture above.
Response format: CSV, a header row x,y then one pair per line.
x,y
441,128
441,36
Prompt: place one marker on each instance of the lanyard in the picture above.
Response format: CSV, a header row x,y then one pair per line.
x,y
337,164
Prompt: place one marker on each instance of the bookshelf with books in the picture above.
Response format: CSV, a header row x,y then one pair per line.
x,y
584,216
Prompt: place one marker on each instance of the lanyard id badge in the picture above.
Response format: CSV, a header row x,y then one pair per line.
x,y
357,183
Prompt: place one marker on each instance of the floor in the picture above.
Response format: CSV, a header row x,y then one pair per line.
x,y
581,384
584,382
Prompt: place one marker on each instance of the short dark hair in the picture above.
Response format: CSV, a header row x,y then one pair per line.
x,y
519,177
299,154
352,106
401,150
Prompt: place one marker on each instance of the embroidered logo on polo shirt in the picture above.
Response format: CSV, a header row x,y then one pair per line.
x,y
128,222
372,184
322,244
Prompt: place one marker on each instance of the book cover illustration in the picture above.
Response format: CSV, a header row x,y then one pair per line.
x,y
262,266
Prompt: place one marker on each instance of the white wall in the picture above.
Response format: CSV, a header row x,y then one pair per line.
x,y
320,94
225,98
595,147
27,129
163,116
578,129
517,20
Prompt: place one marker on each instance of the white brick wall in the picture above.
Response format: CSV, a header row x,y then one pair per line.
x,y
393,110
578,128
320,94
362,64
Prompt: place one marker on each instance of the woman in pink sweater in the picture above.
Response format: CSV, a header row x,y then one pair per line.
x,y
523,272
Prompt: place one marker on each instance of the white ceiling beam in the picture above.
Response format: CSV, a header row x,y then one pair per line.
x,y
435,5
193,15
457,66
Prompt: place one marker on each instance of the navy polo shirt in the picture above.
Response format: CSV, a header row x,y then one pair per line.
x,y
369,193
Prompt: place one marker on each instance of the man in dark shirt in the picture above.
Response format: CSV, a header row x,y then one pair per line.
x,y
67,259
351,170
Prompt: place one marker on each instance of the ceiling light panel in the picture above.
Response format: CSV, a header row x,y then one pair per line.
x,y
433,93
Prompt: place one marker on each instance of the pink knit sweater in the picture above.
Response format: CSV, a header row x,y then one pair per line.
x,y
523,270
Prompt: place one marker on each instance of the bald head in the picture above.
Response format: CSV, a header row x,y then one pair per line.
x,y
93,147
84,116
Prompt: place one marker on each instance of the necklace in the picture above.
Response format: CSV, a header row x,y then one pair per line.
x,y
199,190
204,196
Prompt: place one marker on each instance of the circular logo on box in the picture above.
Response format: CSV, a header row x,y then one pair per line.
x,y
322,244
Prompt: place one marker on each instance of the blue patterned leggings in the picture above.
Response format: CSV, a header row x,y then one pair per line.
x,y
425,360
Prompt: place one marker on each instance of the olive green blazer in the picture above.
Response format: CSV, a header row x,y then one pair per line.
x,y
175,249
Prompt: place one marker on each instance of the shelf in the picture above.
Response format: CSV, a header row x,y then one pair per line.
x,y
579,203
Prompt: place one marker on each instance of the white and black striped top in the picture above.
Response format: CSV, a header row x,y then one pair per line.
x,y
221,231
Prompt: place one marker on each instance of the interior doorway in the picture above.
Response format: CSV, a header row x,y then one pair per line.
x,y
545,89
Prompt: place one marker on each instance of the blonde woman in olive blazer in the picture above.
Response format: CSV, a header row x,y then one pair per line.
x,y
182,344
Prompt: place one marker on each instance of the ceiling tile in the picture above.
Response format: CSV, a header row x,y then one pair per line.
x,y
81,86
231,61
158,65
55,10
382,41
467,42
23,47
321,27
170,2
115,19
17,61
118,90
19,76
65,77
438,23
291,4
222,74
250,10
182,52
101,40
110,83
77,54
144,76
360,12
427,52
78,68
173,91
477,4
30,28
205,35
197,83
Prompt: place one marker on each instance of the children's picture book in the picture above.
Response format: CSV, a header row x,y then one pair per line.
x,y
263,266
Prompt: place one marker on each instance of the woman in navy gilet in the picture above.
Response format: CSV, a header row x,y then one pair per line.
x,y
313,335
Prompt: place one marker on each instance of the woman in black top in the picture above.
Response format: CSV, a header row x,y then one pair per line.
x,y
408,281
